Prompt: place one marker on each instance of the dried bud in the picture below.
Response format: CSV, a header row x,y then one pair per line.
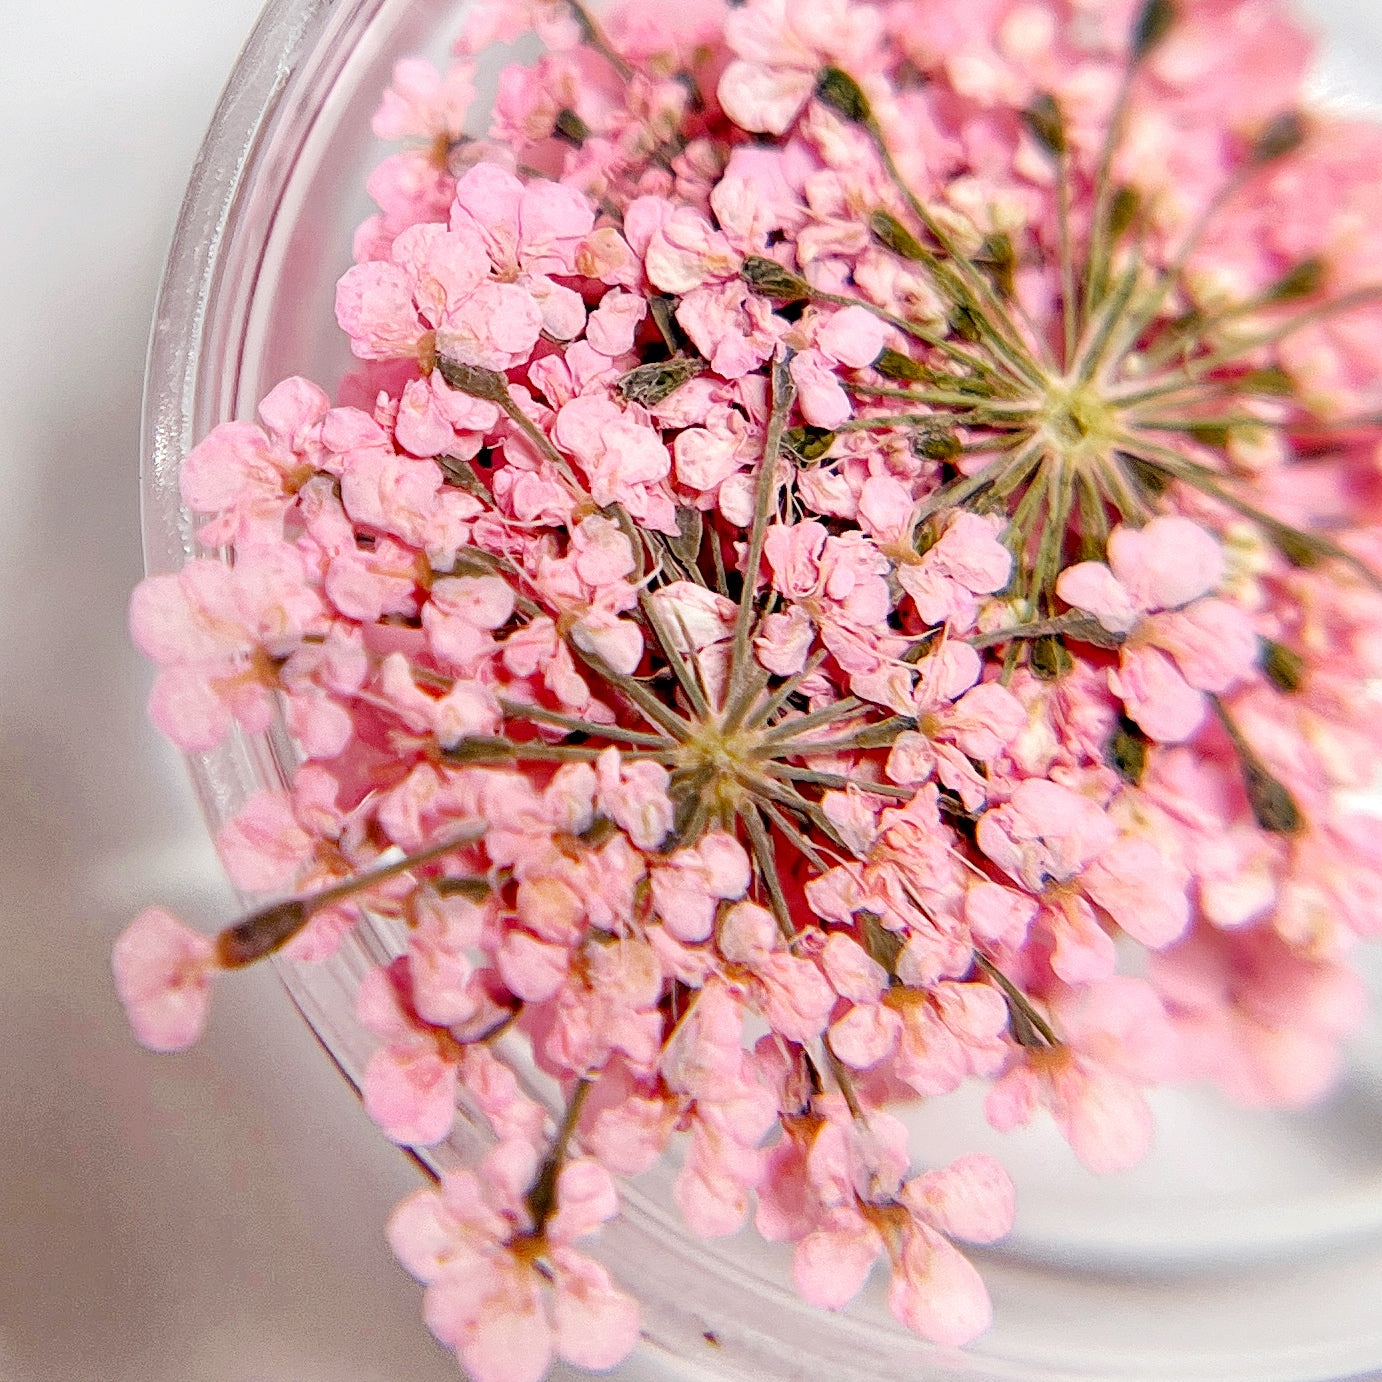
x,y
570,127
1123,210
1126,751
472,889
686,545
965,324
1050,658
1272,804
1304,281
769,279
1046,124
473,380
843,95
1153,24
650,384
935,444
894,236
883,946
1283,135
1271,380
999,260
809,443
1283,667
261,933
893,364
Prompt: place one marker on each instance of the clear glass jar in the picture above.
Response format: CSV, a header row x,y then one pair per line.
x,y
1249,1246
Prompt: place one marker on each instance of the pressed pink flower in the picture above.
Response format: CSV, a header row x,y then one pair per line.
x,y
799,593
163,971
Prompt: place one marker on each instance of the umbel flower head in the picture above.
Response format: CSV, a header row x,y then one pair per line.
x,y
851,540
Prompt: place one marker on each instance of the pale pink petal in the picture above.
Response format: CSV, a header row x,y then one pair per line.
x,y
1213,643
410,1092
865,1035
973,1198
763,100
1166,564
596,1324
937,1292
830,1266
853,336
163,971
1140,890
1157,695
1092,587
586,1198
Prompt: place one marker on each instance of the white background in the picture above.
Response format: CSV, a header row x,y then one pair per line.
x,y
214,1217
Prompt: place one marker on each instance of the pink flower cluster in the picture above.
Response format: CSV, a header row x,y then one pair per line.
x,y
849,582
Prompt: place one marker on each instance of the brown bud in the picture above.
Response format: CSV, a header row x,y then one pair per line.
x,y
1153,24
650,384
1126,751
1046,124
935,444
1283,135
809,443
1303,281
894,236
843,95
893,364
1282,666
570,127
769,279
261,933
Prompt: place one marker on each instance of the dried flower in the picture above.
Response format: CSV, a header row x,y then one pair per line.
x,y
866,526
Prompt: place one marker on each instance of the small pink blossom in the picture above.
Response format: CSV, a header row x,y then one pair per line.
x,y
1170,659
163,972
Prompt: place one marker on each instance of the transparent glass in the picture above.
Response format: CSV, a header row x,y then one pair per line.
x,y
1249,1246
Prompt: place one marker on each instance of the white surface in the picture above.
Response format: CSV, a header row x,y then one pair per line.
x,y
215,1217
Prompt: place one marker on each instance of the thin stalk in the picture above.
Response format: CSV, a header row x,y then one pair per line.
x,y
1102,327
827,714
1060,498
542,1198
1018,1002
652,709
1100,247
783,394
837,782
1069,302
490,749
272,927
923,334
687,678
787,796
595,38
941,398
762,846
493,387
767,709
519,710
876,736
1283,534
1207,364
1010,346
803,846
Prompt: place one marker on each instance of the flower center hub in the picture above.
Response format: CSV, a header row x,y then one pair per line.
x,y
1077,423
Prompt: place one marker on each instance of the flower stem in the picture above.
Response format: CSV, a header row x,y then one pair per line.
x,y
272,927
